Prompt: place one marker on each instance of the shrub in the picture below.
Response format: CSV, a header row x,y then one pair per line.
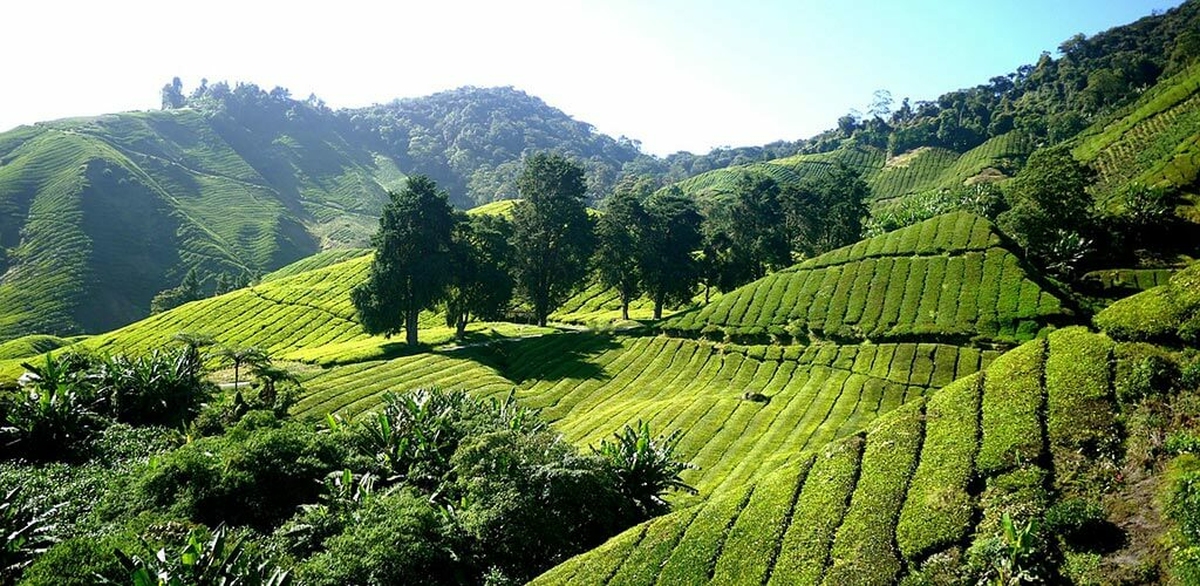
x,y
1074,519
54,415
1150,376
161,388
397,537
1182,502
203,559
1182,442
646,467
252,476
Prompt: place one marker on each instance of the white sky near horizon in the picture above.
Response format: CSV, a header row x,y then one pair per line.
x,y
674,74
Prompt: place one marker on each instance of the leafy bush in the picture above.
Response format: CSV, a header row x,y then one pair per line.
x,y
1074,519
397,537
646,467
257,474
55,413
1182,502
218,559
161,388
1150,376
24,534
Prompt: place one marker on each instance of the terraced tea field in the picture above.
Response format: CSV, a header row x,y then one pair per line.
x,y
742,410
869,508
1155,142
948,277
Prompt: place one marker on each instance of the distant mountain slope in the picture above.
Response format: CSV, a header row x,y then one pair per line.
x,y
949,277
924,479
97,215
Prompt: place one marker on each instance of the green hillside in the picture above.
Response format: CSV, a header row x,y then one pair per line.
x,y
1154,141
97,215
868,509
950,277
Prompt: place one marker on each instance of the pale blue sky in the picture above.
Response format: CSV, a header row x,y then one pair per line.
x,y
675,74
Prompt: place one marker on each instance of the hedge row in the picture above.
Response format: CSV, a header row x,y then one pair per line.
x,y
863,552
938,510
1012,401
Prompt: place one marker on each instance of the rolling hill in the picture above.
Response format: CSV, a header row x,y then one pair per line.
x,y
949,278
97,215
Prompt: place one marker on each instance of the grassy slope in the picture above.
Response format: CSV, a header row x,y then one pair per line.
x,y
1155,141
99,214
869,508
891,288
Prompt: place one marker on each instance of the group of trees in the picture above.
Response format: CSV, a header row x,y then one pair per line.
x,y
659,243
192,288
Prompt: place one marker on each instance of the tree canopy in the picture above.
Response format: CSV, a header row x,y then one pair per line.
x,y
552,235
411,267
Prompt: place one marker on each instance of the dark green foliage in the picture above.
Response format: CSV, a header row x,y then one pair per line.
x,y
1182,506
187,291
397,537
827,213
1075,519
256,474
215,559
480,284
1050,207
411,268
55,413
620,243
24,534
552,235
745,236
1152,375
646,467
668,265
162,388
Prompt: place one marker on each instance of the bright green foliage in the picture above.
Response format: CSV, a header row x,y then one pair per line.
x,y
319,260
1012,403
692,560
410,269
1166,313
353,390
862,552
753,543
552,235
1152,143
857,516
937,511
32,345
912,172
890,287
818,514
1080,410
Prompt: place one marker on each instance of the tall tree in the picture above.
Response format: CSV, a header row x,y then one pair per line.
x,y
411,266
746,236
552,235
827,213
480,283
1050,210
619,237
669,267
172,95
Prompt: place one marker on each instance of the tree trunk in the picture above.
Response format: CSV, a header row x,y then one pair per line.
x,y
625,309
658,309
706,292
461,327
410,327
